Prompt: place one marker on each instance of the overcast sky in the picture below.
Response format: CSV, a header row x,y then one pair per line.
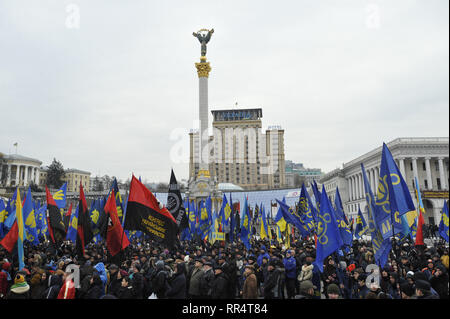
x,y
114,91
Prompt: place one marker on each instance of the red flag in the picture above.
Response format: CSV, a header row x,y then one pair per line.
x,y
67,291
146,214
84,230
10,240
116,240
419,233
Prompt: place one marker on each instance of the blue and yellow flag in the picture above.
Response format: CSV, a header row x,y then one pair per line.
x,y
41,221
338,203
317,195
361,225
119,203
21,230
225,211
246,231
279,220
204,220
393,197
328,237
73,226
31,234
264,230
443,225
10,212
2,216
60,196
306,210
292,217
381,247
344,228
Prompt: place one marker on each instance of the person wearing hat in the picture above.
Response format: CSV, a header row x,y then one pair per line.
x,y
407,290
307,290
290,266
363,290
220,283
271,284
439,281
333,292
250,288
5,279
20,289
207,280
115,280
195,279
423,288
177,283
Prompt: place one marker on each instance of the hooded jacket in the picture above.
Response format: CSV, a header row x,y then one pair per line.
x,y
261,256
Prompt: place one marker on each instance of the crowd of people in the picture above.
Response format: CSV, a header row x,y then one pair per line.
x,y
199,270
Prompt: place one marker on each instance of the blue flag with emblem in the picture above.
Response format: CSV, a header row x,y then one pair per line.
x,y
317,195
41,221
119,203
306,210
204,220
10,212
443,225
279,220
72,229
31,235
393,197
344,228
381,246
245,234
291,217
361,225
225,212
60,196
328,237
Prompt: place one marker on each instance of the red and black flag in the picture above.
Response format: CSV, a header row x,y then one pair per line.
x,y
67,215
146,214
84,230
175,204
116,240
55,224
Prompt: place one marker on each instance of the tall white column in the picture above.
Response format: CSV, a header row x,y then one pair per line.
x,y
349,181
25,182
442,173
377,178
428,171
38,176
359,186
402,166
355,183
17,175
8,176
414,163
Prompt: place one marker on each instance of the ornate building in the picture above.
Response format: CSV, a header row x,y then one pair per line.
x,y
18,170
424,158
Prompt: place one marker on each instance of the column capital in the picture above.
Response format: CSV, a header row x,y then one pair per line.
x,y
203,69
415,158
441,158
427,158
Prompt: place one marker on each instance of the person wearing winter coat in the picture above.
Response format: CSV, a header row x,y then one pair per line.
x,y
160,280
137,281
271,284
220,284
290,266
5,279
54,285
38,285
439,281
126,289
196,279
20,289
100,268
423,290
250,289
96,287
177,283
207,280
263,253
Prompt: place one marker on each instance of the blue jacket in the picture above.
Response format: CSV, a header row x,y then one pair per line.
x,y
100,267
260,257
290,266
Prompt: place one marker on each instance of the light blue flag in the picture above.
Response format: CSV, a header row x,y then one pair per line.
x,y
73,225
31,234
328,237
393,197
361,225
443,225
380,246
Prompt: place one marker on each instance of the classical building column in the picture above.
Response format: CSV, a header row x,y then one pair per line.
x,y
17,175
8,175
349,181
25,182
428,171
402,166
38,176
359,186
377,178
414,163
442,173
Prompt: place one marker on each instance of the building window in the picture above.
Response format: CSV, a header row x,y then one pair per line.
x,y
411,165
438,180
423,166
425,182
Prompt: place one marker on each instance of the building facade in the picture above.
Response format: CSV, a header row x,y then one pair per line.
x,y
73,177
18,170
239,152
308,175
427,159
